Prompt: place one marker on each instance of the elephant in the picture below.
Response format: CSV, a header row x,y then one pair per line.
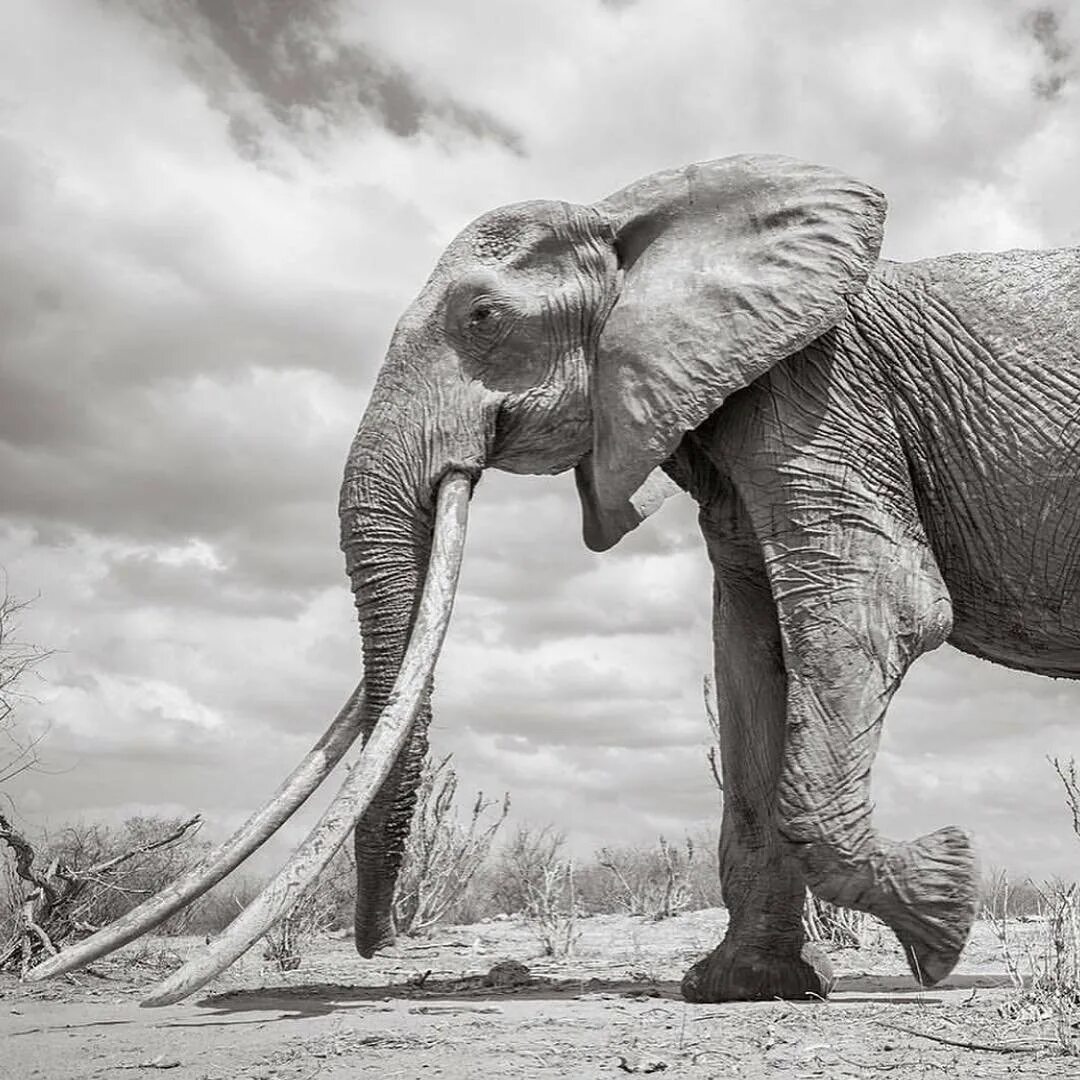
x,y
882,454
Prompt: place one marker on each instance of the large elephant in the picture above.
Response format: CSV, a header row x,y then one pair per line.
x,y
884,457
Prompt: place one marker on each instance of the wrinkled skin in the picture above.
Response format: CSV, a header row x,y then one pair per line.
x,y
883,459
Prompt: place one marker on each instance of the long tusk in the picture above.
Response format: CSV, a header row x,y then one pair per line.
x,y
220,862
387,738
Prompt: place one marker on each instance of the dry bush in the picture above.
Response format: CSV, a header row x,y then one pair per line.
x,y
535,878
442,854
85,876
18,750
1045,969
10,896
1002,898
82,876
654,882
661,881
140,858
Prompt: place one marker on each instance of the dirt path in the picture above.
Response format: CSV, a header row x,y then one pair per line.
x,y
611,1010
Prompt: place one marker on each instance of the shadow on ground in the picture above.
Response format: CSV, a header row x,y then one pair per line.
x,y
446,995
321,998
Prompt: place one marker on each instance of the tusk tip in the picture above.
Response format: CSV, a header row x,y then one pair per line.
x,y
59,964
161,996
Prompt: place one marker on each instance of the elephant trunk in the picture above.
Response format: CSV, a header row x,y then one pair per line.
x,y
386,559
397,459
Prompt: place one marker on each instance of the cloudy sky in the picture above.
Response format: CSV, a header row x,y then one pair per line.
x,y
211,215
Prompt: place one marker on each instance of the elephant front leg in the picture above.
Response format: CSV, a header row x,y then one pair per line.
x,y
763,955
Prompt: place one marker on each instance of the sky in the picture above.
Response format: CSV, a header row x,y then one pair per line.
x,y
211,216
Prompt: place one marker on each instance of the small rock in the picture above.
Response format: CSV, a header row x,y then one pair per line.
x,y
508,973
635,1064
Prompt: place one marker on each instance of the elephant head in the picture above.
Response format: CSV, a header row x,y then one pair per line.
x,y
553,336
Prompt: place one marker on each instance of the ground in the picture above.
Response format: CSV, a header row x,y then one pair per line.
x,y
611,1009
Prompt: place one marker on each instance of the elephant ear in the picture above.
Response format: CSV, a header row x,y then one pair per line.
x,y
727,267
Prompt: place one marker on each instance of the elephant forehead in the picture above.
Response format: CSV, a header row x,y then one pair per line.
x,y
511,231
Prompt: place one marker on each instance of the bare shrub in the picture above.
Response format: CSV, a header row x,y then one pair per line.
x,y
142,856
535,878
653,882
1045,969
703,874
443,853
1002,898
18,750
1067,775
646,875
10,896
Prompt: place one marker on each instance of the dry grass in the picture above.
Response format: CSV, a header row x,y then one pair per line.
x,y
827,924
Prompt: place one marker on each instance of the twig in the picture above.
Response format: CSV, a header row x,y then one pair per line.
x,y
31,927
871,1066
440,1009
40,935
964,1044
110,864
712,1051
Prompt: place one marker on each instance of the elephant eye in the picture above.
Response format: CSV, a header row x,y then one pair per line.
x,y
481,312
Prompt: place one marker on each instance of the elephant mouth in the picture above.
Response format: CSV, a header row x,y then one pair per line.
x,y
303,867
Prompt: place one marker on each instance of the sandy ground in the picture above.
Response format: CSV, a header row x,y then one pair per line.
x,y
611,1009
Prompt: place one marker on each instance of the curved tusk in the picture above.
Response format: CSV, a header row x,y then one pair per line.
x,y
225,858
384,744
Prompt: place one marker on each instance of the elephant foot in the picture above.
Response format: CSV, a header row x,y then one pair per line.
x,y
745,974
371,935
935,880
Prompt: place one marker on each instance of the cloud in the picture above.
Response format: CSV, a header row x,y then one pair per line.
x,y
1044,25
210,218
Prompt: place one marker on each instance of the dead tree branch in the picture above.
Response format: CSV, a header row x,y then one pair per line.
x,y
52,906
